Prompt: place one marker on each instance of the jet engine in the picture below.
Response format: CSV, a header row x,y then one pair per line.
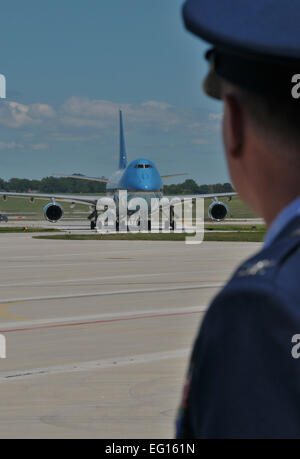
x,y
53,212
218,211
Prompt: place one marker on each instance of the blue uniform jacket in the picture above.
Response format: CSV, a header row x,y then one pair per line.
x,y
244,375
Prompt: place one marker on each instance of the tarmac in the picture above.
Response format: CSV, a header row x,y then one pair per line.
x,y
99,333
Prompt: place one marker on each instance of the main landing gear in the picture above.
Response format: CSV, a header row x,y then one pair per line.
x,y
93,219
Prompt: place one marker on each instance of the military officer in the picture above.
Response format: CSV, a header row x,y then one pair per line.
x,y
244,376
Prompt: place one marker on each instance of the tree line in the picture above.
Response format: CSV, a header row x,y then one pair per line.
x,y
52,185
191,187
69,185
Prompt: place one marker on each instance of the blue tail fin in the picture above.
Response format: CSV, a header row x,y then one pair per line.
x,y
123,154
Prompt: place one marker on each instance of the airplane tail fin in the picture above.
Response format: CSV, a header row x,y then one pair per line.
x,y
123,154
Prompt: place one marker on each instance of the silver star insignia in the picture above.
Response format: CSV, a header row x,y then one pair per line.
x,y
258,268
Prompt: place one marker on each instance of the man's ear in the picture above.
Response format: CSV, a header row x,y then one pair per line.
x,y
233,125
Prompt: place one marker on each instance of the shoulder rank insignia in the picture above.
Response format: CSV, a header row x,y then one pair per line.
x,y
258,268
296,233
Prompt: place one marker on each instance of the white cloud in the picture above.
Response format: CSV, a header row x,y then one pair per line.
x,y
215,116
80,119
200,141
40,146
72,137
10,145
13,114
16,115
156,105
101,114
41,111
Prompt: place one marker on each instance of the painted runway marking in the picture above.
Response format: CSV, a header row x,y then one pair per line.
x,y
114,292
101,279
16,265
101,254
103,318
114,362
6,314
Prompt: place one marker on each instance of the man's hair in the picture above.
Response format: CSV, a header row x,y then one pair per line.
x,y
273,116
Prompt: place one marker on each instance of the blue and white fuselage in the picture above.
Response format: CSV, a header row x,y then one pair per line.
x,y
141,175
140,178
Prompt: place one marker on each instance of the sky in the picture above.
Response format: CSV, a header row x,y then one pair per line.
x,y
71,65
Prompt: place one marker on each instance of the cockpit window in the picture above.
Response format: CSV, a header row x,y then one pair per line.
x,y
143,166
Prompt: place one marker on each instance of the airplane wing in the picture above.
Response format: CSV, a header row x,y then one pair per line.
x,y
206,195
192,198
173,175
82,177
87,200
92,200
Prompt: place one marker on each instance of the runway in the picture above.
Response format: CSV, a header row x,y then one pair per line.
x,y
99,333
74,225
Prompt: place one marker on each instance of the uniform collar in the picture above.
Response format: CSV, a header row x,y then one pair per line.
x,y
288,214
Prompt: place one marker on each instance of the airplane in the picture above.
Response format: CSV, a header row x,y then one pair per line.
x,y
140,178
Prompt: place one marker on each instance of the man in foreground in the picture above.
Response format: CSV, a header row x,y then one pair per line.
x,y
244,375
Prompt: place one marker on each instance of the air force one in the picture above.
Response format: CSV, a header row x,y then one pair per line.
x,y
140,178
